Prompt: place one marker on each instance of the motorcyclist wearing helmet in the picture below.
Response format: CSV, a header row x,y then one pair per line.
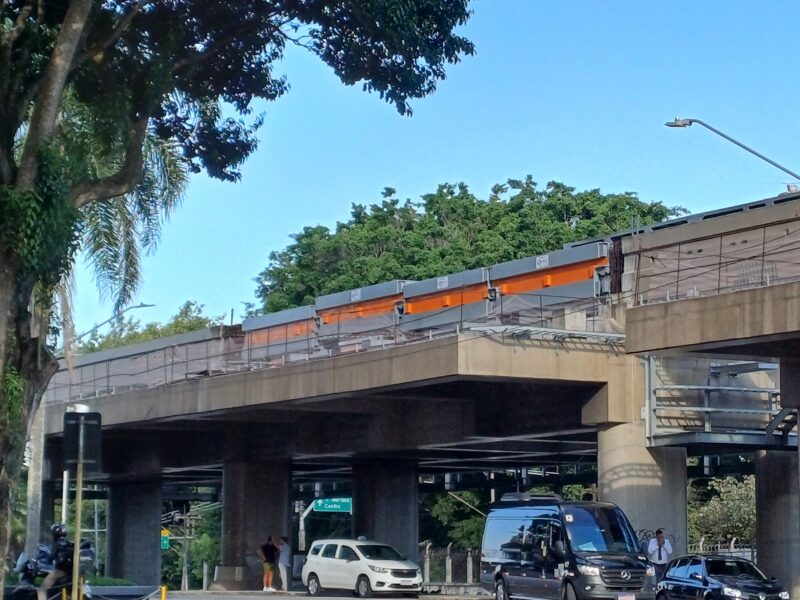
x,y
61,557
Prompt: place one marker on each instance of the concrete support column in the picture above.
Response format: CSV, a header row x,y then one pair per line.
x,y
386,505
256,503
777,522
649,485
133,549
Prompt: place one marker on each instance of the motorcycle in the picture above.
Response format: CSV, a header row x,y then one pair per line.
x,y
33,570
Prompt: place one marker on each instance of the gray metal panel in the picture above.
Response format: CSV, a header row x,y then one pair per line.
x,y
548,261
365,325
446,282
370,292
560,294
290,315
278,349
193,337
476,311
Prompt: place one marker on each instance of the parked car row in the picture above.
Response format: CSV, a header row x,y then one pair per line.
x,y
542,548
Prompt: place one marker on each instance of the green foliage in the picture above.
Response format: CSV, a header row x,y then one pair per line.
x,y
728,511
123,332
463,524
450,230
12,410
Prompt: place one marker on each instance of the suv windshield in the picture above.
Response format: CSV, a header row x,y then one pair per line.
x,y
599,529
720,567
379,552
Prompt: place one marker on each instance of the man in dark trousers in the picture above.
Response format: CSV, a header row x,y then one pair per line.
x,y
269,554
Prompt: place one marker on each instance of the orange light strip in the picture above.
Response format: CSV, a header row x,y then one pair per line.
x,y
446,299
545,278
359,310
281,333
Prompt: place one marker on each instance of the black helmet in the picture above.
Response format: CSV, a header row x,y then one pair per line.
x,y
59,530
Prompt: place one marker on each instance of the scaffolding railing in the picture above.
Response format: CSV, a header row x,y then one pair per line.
x,y
233,352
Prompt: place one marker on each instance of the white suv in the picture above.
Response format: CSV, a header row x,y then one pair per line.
x,y
362,566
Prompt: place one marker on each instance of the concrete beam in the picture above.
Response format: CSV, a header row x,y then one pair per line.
x,y
424,363
736,319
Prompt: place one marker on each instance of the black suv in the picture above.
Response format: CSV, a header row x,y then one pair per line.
x,y
711,577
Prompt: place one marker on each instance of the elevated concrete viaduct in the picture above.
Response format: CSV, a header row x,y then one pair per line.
x,y
465,402
691,296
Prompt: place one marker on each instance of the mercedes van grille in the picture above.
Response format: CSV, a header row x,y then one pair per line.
x,y
624,578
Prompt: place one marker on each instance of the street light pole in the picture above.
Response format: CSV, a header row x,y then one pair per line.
x,y
688,122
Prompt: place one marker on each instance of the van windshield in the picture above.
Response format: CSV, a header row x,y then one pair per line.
x,y
599,529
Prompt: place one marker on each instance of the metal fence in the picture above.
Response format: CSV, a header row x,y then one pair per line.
x,y
758,257
731,547
575,320
448,565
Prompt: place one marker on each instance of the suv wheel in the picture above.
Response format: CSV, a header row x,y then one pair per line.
x,y
314,588
500,591
363,588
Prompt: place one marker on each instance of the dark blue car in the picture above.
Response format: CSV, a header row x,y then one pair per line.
x,y
711,577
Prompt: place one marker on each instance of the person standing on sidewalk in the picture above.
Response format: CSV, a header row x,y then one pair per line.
x,y
269,554
285,562
659,551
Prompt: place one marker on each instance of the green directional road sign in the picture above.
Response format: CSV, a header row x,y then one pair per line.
x,y
341,505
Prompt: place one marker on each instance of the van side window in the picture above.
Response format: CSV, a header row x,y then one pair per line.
x,y
329,551
315,550
506,538
347,553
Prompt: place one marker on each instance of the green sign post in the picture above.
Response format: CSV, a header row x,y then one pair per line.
x,y
339,505
165,539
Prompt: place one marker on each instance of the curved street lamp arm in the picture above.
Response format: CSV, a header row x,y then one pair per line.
x,y
741,145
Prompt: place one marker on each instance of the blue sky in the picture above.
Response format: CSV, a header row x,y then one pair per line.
x,y
570,91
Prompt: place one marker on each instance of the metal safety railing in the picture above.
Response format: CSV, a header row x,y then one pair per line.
x,y
762,256
233,352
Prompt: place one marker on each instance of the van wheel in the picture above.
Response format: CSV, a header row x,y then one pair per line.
x,y
314,588
500,591
363,588
569,592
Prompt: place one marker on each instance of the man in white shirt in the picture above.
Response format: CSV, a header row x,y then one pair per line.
x,y
659,551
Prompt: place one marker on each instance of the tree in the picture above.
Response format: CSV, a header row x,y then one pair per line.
x,y
729,511
182,73
123,332
464,524
450,230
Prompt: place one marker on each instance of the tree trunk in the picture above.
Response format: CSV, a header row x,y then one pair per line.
x,y
26,367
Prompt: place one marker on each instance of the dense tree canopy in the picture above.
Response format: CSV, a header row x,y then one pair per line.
x,y
189,317
93,92
449,230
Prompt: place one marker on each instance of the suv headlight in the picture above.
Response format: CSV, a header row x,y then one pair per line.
x,y
588,570
378,569
650,571
732,592
784,595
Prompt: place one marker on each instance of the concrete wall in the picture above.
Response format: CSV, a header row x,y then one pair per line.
x,y
648,484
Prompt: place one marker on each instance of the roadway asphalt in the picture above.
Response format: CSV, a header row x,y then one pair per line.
x,y
252,595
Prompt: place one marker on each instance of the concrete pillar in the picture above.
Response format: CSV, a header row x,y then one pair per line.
x,y
790,397
777,522
648,484
256,503
386,505
33,527
133,548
